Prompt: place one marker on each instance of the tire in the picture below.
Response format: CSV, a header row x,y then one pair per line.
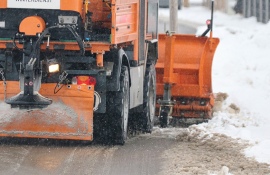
x,y
118,109
101,131
146,117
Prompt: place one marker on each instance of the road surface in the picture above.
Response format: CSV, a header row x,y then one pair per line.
x,y
140,155
165,151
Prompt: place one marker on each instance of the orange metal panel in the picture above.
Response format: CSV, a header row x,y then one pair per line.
x,y
185,62
99,59
69,117
179,90
126,38
3,4
123,1
73,5
32,25
188,48
124,20
170,52
192,65
177,67
125,23
3,44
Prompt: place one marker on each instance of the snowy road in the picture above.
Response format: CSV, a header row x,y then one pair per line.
x,y
140,155
165,151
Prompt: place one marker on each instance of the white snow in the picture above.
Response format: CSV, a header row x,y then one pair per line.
x,y
241,68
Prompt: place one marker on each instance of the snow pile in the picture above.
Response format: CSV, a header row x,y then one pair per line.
x,y
241,70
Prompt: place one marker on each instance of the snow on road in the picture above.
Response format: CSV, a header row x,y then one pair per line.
x,y
241,70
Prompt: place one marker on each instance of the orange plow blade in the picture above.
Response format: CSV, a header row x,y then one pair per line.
x,y
70,116
184,69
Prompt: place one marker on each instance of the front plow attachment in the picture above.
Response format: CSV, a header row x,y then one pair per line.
x,y
184,85
70,116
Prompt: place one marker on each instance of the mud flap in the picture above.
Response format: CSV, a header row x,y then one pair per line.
x,y
70,116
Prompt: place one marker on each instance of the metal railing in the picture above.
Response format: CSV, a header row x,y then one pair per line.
x,y
258,8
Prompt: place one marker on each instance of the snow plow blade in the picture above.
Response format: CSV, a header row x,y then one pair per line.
x,y
70,116
184,85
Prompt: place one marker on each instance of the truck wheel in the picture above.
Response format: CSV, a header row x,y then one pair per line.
x,y
149,99
119,109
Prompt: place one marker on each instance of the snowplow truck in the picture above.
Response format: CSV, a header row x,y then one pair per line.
x,y
71,69
79,69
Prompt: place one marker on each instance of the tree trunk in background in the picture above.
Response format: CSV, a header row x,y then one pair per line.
x,y
186,3
173,15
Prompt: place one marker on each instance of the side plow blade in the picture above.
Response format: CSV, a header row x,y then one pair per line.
x,y
70,116
184,83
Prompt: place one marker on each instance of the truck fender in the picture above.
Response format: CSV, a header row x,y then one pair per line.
x,y
113,84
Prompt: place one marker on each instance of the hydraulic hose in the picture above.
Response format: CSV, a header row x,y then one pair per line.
x,y
46,31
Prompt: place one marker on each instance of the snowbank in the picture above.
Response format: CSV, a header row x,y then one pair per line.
x,y
240,69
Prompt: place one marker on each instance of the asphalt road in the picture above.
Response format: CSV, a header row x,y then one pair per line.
x,y
141,155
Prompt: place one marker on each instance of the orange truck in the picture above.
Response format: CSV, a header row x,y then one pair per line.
x,y
79,69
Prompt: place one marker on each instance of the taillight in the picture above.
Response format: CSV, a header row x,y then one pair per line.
x,y
84,80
